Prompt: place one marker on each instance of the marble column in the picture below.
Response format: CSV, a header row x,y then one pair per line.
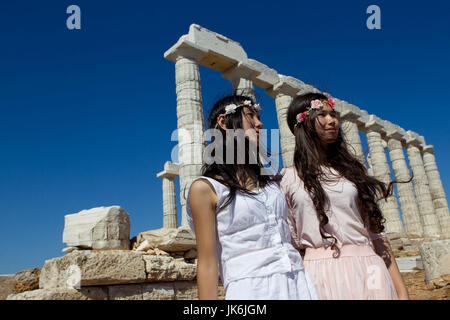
x,y
381,171
437,190
283,92
241,78
431,228
350,132
169,195
190,121
405,192
369,166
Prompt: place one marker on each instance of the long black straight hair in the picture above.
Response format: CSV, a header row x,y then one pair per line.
x,y
230,174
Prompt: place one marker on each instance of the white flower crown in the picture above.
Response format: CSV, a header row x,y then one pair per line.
x,y
231,108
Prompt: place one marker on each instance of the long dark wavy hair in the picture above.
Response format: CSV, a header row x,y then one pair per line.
x,y
310,155
231,174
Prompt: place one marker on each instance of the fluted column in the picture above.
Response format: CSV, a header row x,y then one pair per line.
x,y
190,121
351,134
405,192
283,93
169,195
437,191
241,78
431,228
382,172
369,166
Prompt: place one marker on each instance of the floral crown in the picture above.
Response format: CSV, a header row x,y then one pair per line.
x,y
315,104
231,108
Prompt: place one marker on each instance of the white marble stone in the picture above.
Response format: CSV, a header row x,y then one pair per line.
x,y
98,228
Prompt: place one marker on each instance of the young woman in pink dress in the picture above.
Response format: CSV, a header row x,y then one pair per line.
x,y
333,212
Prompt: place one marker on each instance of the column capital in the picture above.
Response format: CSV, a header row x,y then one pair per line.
x,y
185,49
348,112
171,170
412,138
394,134
428,149
374,124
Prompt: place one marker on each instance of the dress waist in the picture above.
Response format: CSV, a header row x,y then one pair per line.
x,y
347,250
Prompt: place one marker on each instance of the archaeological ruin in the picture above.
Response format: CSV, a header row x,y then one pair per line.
x,y
101,262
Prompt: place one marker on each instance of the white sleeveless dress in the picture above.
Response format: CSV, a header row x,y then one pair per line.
x,y
254,250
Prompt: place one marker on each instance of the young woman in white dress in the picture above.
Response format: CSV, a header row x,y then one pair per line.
x,y
239,217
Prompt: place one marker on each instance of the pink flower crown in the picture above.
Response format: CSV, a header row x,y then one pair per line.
x,y
315,104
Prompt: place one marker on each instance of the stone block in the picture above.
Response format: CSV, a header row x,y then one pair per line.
x,y
158,291
162,268
436,259
27,280
95,268
409,264
125,292
186,290
89,293
169,239
98,228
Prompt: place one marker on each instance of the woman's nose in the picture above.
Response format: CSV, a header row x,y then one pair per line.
x,y
258,124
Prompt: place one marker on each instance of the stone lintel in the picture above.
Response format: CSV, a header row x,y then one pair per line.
x,y
286,85
265,77
240,70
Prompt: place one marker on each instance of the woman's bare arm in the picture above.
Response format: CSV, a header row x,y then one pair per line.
x,y
383,249
203,202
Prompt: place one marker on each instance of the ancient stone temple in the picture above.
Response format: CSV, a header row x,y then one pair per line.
x,y
102,263
422,202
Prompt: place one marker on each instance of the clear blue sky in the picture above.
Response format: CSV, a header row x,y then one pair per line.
x,y
87,115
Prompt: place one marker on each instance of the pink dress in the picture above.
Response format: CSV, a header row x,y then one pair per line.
x,y
358,273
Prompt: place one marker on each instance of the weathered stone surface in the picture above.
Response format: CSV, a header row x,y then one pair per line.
x,y
169,239
6,285
158,291
436,259
409,264
98,228
125,292
144,246
186,271
191,254
27,280
96,268
186,290
89,293
161,268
